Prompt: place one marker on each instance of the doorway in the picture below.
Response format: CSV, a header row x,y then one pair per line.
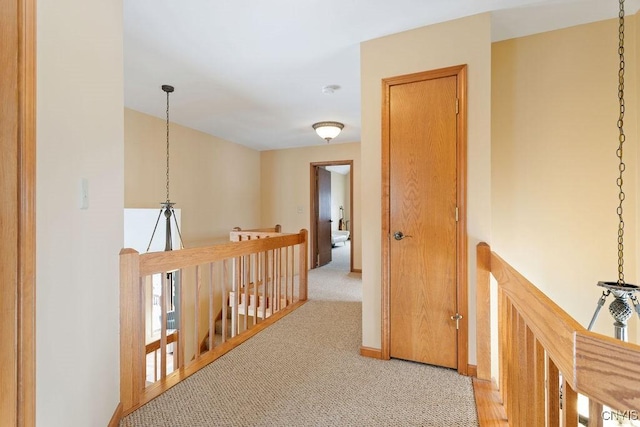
x,y
424,218
340,219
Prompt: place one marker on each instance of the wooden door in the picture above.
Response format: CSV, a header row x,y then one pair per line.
x,y
323,226
423,236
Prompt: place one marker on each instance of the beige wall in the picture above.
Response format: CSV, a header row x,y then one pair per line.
x,y
464,41
339,197
286,187
79,135
554,113
215,183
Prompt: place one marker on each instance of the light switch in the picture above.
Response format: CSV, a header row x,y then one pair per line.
x,y
300,209
84,193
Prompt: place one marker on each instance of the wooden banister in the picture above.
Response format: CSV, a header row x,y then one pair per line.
x,y
248,280
132,362
551,325
155,345
537,338
158,262
238,234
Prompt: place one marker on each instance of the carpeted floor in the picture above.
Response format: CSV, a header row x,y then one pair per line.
x,y
340,257
306,371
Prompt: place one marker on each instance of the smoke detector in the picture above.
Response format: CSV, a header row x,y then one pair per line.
x,y
330,88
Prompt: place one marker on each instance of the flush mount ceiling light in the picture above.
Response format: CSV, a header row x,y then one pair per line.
x,y
328,130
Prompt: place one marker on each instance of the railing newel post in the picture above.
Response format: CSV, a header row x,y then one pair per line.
x,y
303,273
483,310
132,351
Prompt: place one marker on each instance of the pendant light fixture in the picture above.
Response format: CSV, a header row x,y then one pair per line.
x,y
167,206
619,308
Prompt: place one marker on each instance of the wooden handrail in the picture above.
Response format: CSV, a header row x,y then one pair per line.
x,y
158,262
551,325
531,325
155,345
238,234
268,264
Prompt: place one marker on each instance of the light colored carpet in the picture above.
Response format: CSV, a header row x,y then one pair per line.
x,y
306,370
340,257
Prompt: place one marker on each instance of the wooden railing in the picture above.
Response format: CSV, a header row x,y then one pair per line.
x,y
546,358
247,285
238,234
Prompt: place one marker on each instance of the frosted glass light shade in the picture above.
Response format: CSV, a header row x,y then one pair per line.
x,y
328,130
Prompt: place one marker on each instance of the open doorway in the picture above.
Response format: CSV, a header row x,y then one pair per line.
x,y
331,214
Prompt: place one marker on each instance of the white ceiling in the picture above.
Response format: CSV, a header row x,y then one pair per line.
x,y
252,71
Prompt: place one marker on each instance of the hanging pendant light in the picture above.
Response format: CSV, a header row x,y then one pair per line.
x,y
167,206
619,308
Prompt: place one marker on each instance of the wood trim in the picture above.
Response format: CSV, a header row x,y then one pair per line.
x,y
552,326
462,280
157,388
159,262
472,371
490,409
614,385
313,250
386,218
17,212
132,355
303,266
155,345
356,270
374,353
117,416
483,311
460,72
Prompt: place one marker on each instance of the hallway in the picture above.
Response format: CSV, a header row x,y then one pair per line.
x,y
306,370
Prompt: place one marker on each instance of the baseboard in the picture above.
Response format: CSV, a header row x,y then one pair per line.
x,y
472,371
491,411
356,270
374,353
117,416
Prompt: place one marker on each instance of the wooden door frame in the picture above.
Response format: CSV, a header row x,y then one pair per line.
x,y
312,210
17,212
460,72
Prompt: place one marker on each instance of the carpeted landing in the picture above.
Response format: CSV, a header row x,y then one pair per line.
x,y
306,370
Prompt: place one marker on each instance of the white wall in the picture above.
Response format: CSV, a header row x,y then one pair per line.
x,y
79,135
464,41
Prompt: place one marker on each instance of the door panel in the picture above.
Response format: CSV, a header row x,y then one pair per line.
x,y
422,189
323,228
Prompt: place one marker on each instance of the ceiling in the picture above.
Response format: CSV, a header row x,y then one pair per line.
x,y
252,71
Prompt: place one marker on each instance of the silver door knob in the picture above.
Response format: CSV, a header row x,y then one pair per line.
x,y
399,235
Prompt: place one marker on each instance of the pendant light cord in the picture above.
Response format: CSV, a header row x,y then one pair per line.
x,y
621,140
168,146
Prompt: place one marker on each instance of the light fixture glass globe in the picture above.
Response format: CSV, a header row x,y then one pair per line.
x,y
328,130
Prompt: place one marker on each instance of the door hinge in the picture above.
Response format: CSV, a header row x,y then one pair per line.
x,y
457,106
456,214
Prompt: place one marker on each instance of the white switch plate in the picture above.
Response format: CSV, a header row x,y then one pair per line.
x,y
300,209
84,193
